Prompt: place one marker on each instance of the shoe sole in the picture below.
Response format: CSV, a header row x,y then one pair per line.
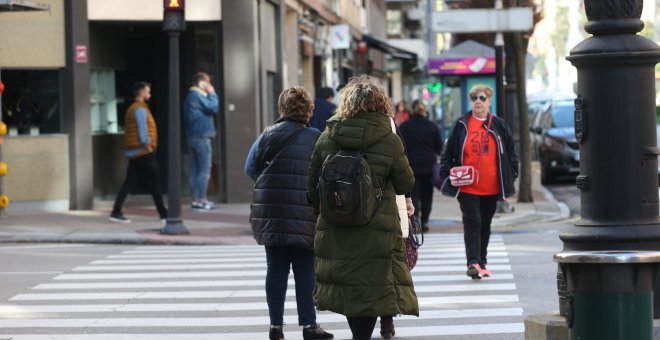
x,y
117,220
473,273
311,337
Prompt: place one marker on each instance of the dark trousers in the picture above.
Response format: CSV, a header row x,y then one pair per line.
x,y
478,213
362,328
145,169
279,260
422,196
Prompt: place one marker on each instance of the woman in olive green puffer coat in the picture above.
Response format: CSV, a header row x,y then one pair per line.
x,y
361,270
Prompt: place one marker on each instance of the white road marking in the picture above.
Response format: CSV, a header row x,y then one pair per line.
x,y
404,332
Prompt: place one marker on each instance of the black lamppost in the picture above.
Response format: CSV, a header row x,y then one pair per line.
x,y
610,255
174,23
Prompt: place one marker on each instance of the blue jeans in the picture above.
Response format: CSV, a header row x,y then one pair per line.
x,y
200,166
279,260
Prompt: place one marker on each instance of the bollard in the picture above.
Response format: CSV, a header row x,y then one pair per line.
x,y
610,293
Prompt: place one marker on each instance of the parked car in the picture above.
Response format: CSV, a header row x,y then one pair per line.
x,y
537,106
558,151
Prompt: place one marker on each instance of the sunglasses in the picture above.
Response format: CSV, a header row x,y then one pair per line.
x,y
482,98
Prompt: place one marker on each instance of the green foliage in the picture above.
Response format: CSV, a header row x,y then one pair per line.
x,y
648,30
559,36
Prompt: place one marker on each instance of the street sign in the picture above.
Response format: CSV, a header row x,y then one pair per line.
x,y
483,20
340,37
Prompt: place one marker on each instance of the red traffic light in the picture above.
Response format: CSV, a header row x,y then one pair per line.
x,y
174,5
2,87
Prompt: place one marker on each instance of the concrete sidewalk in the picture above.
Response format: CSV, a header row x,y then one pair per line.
x,y
229,224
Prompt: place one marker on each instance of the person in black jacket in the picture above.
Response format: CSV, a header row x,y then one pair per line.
x,y
282,219
424,146
483,141
324,108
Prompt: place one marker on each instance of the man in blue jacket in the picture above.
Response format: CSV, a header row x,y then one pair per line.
x,y
324,108
199,112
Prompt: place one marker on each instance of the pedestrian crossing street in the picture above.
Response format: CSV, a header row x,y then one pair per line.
x,y
217,292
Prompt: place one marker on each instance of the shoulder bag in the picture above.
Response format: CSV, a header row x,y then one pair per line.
x,y
465,175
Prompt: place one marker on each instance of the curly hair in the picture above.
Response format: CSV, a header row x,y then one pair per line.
x,y
296,103
362,94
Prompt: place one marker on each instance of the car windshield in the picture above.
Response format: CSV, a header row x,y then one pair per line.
x,y
562,115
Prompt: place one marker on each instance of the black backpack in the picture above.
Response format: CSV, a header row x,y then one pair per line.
x,y
346,189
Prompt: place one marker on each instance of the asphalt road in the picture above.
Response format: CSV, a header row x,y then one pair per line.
x,y
70,291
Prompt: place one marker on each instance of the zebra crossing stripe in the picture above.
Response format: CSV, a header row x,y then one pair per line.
x,y
446,278
229,283
431,260
160,275
186,260
423,250
235,273
11,311
221,294
176,271
325,318
443,301
458,268
460,250
454,238
471,287
426,331
251,265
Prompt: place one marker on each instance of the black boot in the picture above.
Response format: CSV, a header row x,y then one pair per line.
x,y
387,327
276,333
316,332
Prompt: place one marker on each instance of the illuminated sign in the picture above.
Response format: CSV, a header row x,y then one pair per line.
x,y
474,65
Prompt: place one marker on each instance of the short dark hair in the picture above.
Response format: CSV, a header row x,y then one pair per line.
x,y
417,106
139,86
199,76
325,93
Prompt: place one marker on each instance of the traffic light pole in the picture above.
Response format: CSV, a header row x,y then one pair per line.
x,y
174,24
174,225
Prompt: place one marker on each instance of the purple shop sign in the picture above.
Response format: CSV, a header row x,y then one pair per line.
x,y
474,65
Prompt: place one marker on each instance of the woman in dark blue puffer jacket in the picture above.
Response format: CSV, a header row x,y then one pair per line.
x,y
282,218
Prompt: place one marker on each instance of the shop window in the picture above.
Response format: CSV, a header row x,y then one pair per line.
x,y
103,101
31,101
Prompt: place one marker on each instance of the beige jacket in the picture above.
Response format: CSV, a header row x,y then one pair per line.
x,y
401,204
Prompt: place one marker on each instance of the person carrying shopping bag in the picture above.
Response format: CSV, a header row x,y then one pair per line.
x,y
360,260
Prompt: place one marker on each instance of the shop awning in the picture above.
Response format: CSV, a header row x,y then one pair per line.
x,y
389,49
22,5
468,57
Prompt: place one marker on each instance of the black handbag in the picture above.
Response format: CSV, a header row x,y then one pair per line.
x,y
414,240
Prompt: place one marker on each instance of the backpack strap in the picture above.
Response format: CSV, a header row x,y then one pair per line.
x,y
264,164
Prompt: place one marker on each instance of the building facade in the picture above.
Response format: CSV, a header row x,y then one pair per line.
x,y
68,74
